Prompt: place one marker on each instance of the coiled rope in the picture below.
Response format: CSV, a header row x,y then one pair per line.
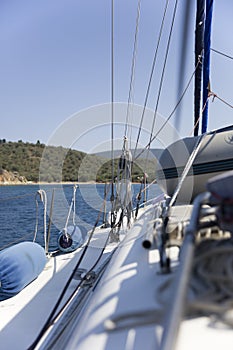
x,y
211,285
210,290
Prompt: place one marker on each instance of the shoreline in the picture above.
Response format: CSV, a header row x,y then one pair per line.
x,y
54,183
47,183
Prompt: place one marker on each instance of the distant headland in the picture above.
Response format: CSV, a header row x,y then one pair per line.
x,y
24,162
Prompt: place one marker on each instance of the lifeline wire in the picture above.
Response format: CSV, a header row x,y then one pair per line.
x,y
53,315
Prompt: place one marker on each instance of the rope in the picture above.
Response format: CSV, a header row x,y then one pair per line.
x,y
138,197
92,278
52,316
150,79
37,218
197,122
72,205
43,198
210,290
49,223
106,190
53,320
219,98
148,186
27,235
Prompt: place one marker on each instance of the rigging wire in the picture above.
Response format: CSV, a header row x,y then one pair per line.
x,y
17,197
161,80
171,114
151,76
163,71
203,108
176,106
221,53
22,238
130,98
30,235
213,95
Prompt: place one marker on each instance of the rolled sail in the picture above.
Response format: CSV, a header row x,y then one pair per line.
x,y
214,156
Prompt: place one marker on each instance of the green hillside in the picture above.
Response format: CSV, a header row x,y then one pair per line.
x,y
54,164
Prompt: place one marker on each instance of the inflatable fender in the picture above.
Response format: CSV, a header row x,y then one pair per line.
x,y
20,265
71,240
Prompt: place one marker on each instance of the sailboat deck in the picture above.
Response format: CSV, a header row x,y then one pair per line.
x,y
24,315
132,302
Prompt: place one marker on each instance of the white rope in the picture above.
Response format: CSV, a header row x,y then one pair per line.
x,y
43,198
72,205
210,290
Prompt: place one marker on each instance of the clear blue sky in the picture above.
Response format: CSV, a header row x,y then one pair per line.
x,y
55,61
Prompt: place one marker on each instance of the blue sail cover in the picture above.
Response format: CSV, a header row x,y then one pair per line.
x,y
206,63
20,265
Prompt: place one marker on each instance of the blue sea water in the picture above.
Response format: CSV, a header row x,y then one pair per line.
x,y
18,210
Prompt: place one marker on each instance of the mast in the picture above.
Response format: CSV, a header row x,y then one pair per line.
x,y
206,63
112,198
199,47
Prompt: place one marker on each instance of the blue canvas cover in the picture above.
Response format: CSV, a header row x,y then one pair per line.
x,y
20,265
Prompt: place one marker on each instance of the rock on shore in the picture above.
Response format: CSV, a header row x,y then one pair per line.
x,y
11,178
